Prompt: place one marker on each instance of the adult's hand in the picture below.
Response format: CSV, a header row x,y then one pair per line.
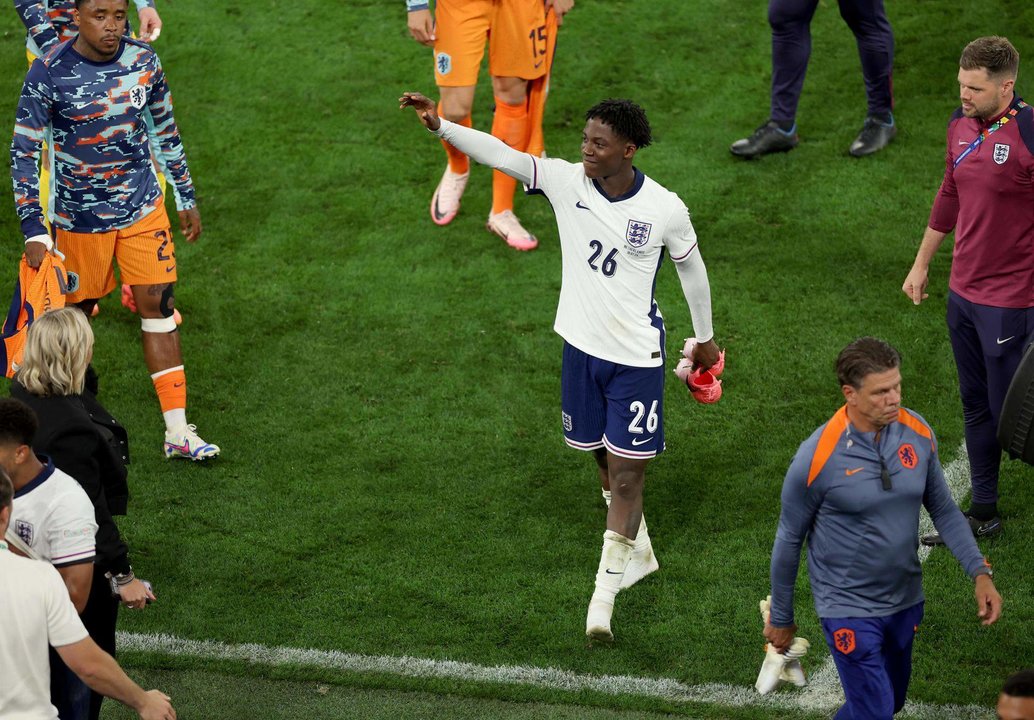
x,y
705,354
989,602
780,637
150,24
421,26
190,224
560,7
425,109
915,284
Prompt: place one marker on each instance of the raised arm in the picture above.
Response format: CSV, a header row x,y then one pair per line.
x,y
484,148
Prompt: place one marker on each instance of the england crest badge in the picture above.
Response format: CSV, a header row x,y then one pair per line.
x,y
24,530
638,233
1001,153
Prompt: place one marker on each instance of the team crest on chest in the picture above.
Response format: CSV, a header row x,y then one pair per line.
x,y
138,96
24,530
1001,153
638,233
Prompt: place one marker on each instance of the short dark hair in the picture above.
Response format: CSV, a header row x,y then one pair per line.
x,y
625,118
863,357
79,3
1020,684
18,423
992,53
6,490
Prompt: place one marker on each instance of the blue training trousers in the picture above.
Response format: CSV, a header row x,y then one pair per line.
x,y
874,659
988,343
791,48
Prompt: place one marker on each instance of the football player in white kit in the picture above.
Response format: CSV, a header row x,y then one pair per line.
x,y
615,225
52,520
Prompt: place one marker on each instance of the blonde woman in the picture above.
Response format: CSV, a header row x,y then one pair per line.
x,y
85,441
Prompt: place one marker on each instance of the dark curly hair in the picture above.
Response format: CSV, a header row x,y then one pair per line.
x,y
625,118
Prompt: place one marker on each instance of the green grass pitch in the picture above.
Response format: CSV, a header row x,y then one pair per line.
x,y
386,392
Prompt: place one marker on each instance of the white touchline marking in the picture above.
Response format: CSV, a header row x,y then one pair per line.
x,y
546,678
822,694
823,690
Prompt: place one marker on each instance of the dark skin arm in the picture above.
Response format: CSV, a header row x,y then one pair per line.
x,y
425,108
705,355
190,224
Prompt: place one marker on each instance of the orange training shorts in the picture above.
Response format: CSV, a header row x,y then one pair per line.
x,y
515,31
145,253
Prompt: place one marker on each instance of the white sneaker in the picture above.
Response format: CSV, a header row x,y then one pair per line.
x,y
509,228
185,443
597,621
642,564
446,200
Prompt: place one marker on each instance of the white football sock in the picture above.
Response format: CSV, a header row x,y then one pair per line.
x,y
175,419
617,550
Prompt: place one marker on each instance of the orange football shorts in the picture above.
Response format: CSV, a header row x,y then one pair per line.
x,y
144,251
514,29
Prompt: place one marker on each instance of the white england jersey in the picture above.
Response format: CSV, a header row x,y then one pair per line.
x,y
612,251
53,515
36,612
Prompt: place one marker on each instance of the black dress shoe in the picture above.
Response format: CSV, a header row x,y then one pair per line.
x,y
768,138
875,136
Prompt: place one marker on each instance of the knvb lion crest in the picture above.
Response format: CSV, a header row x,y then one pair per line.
x,y
1001,153
638,233
138,96
843,640
24,530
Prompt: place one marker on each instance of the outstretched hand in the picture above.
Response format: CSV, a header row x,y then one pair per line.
x,y
989,602
425,109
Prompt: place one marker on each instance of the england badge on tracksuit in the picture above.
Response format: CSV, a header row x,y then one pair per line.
x,y
1001,153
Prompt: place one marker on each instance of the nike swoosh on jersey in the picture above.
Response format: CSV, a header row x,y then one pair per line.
x,y
637,442
579,204
1002,342
854,470
611,572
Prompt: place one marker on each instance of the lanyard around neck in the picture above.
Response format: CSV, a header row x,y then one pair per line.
x,y
1013,111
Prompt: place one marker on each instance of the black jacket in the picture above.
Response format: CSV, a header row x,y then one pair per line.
x,y
85,441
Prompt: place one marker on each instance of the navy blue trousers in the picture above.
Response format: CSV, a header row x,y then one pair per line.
x,y
791,48
874,660
988,343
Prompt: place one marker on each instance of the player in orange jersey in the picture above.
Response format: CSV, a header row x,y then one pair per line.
x,y
521,36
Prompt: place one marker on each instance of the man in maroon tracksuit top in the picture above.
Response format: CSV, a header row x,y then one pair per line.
x,y
987,197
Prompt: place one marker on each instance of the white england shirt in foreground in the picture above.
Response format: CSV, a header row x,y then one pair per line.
x,y
36,612
612,252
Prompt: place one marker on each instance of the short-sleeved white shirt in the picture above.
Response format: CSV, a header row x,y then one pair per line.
x,y
612,251
53,515
35,611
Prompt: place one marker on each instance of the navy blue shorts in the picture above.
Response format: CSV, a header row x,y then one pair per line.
x,y
874,660
609,405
